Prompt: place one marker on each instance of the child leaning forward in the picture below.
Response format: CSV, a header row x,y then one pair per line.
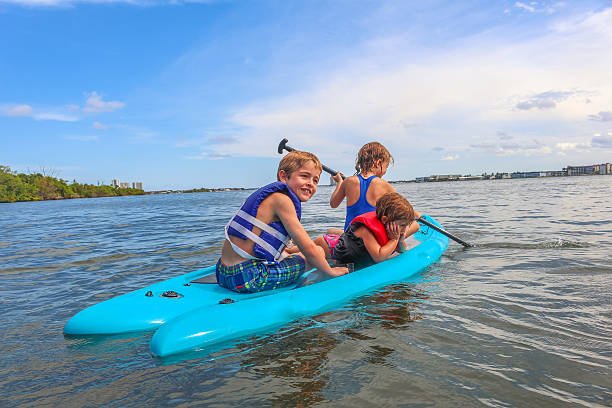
x,y
253,257
374,236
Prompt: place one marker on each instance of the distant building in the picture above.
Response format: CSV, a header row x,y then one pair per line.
x,y
447,177
533,174
594,169
469,177
579,170
126,184
604,168
556,173
498,176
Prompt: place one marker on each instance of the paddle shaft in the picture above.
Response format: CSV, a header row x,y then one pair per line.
x,y
444,232
283,146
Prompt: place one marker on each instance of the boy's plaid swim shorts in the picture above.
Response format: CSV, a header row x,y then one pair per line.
x,y
256,275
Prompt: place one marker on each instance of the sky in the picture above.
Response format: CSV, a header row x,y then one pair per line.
x,y
187,94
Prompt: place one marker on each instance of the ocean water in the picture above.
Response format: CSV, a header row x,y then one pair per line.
x,y
523,319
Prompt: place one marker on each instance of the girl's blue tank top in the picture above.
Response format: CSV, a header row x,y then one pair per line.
x,y
361,206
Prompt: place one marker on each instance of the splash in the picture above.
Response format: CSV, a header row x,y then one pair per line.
x,y
558,243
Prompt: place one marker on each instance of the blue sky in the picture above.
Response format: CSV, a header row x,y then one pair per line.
x,y
187,94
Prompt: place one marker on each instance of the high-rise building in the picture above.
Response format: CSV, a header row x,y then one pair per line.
x,y
137,185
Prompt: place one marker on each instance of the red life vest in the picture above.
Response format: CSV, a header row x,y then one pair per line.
x,y
372,223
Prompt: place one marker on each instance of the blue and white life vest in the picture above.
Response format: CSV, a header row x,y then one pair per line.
x,y
269,244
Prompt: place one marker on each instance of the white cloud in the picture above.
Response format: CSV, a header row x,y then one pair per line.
x,y
95,104
598,141
550,99
99,126
69,3
82,138
208,155
569,146
17,110
602,117
58,117
450,157
602,141
68,113
539,7
504,136
527,149
25,110
526,7
471,88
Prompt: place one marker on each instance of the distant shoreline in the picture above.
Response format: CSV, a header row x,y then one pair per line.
x,y
198,190
20,187
132,192
481,178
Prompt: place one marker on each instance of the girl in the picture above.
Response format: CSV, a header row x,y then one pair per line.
x,y
364,188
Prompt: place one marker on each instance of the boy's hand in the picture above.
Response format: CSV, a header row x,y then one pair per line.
x,y
339,271
337,178
393,230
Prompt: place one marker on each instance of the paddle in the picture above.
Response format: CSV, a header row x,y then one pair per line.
x,y
283,146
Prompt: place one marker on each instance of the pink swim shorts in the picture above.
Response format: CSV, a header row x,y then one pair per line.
x,y
332,240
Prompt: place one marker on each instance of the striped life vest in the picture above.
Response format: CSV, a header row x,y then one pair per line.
x,y
273,238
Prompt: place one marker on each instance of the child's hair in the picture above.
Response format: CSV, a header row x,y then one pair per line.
x,y
395,207
295,160
369,154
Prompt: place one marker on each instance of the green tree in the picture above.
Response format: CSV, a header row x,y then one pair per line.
x,y
13,188
37,186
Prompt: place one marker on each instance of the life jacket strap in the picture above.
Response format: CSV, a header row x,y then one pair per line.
x,y
263,226
253,237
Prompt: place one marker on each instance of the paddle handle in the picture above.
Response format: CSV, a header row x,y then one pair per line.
x,y
283,146
443,232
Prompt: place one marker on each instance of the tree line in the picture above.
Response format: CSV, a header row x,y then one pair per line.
x,y
36,186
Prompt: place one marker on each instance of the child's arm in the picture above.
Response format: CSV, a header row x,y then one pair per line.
x,y
414,227
379,252
401,245
314,254
339,192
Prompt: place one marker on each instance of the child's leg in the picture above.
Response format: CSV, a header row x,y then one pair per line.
x,y
279,274
335,231
320,241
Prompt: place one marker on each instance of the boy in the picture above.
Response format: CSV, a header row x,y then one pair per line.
x,y
253,257
374,236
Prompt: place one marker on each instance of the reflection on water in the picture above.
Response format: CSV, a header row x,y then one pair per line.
x,y
521,319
